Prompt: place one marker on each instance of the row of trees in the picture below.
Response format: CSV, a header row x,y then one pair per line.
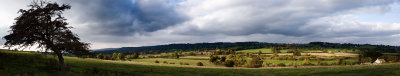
x,y
117,56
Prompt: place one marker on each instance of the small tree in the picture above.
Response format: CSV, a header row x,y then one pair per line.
x,y
100,56
306,62
175,55
135,55
296,52
199,64
120,56
114,56
255,62
106,57
259,52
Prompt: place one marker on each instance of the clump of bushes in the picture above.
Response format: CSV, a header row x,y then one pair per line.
x,y
254,63
280,65
322,63
307,62
156,61
296,52
199,64
171,63
292,64
229,61
389,58
165,62
100,56
265,64
185,63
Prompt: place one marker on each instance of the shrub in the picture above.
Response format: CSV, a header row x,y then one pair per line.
x,y
229,63
292,64
165,62
306,62
199,64
366,60
265,64
175,55
339,62
120,56
135,55
114,56
185,63
156,61
322,63
213,58
100,56
280,65
171,63
296,52
107,57
255,62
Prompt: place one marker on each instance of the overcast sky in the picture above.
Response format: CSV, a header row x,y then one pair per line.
x,y
129,23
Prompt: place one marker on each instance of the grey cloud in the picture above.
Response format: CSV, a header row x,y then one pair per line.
x,y
124,17
284,17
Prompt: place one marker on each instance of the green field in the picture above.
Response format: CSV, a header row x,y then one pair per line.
x,y
300,62
263,50
268,50
83,67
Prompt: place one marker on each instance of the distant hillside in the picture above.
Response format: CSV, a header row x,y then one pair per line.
x,y
242,46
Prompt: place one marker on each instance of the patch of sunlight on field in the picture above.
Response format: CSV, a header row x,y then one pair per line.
x,y
301,61
191,60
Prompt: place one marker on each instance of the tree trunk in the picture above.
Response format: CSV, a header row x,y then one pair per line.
x,y
61,60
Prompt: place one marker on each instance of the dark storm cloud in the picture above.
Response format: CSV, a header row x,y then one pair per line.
x,y
125,17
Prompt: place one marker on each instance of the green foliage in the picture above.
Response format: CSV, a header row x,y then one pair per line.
x,y
199,64
296,52
114,56
339,61
175,55
214,59
370,52
306,62
366,60
322,63
156,61
275,50
100,56
255,62
44,25
280,65
229,63
107,57
389,58
121,56
133,56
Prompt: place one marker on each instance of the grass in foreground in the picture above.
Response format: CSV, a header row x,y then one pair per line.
x,y
94,67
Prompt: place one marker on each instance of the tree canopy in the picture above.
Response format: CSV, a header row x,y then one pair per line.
x,y
44,25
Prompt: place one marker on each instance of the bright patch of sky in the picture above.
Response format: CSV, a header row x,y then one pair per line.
x,y
392,16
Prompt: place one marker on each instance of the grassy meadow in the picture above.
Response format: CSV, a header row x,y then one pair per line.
x,y
16,64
